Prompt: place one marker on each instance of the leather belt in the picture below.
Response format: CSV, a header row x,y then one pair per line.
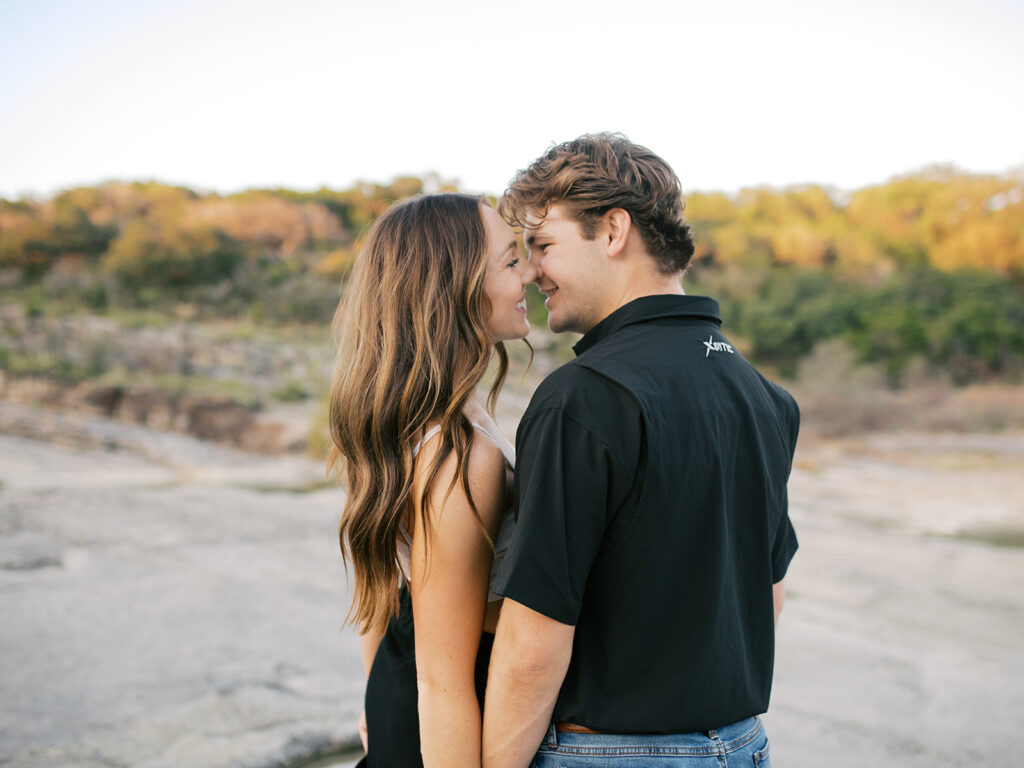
x,y
573,728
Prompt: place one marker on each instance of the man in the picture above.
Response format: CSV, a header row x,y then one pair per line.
x,y
652,537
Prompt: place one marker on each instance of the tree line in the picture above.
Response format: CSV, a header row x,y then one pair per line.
x,y
928,265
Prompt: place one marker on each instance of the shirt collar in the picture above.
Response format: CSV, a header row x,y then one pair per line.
x,y
650,308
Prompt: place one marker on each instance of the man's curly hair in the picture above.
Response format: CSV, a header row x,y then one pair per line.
x,y
597,172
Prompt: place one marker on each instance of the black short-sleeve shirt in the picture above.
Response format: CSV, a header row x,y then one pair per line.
x,y
652,514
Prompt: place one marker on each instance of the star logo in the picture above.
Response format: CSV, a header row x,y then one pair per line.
x,y
716,346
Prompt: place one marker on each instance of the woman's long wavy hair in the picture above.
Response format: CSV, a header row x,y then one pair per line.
x,y
412,348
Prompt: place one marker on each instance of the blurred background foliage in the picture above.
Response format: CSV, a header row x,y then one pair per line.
x,y
925,269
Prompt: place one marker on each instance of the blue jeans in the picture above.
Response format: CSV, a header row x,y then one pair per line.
x,y
739,744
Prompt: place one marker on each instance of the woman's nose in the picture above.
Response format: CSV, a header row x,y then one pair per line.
x,y
532,272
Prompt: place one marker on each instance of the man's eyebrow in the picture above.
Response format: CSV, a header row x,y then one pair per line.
x,y
530,237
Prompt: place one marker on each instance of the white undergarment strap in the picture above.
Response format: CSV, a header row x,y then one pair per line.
x,y
426,436
437,428
501,444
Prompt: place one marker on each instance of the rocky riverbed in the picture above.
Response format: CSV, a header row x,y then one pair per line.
x,y
169,602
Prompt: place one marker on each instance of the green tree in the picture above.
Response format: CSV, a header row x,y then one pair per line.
x,y
159,252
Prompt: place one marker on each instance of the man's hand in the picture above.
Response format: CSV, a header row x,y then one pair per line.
x,y
528,663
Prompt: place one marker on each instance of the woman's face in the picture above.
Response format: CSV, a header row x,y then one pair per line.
x,y
505,279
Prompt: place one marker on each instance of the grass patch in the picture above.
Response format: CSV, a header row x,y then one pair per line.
x,y
996,536
290,392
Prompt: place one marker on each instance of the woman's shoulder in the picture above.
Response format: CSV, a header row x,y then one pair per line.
x,y
488,427
485,462
446,497
484,425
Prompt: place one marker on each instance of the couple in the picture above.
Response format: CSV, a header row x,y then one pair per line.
x,y
639,571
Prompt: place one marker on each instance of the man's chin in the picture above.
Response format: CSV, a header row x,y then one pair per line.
x,y
559,324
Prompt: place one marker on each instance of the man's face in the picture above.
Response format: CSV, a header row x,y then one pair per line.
x,y
569,270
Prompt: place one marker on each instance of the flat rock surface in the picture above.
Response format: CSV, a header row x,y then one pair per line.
x,y
900,643
170,603
169,606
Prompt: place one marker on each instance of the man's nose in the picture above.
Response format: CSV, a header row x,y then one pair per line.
x,y
532,273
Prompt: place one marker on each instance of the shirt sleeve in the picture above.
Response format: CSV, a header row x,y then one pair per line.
x,y
566,487
784,544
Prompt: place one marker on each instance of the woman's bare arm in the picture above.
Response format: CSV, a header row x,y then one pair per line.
x,y
450,568
778,598
370,641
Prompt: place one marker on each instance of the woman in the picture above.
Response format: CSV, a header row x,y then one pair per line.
x,y
437,288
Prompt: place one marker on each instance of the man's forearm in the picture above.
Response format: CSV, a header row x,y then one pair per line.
x,y
528,664
516,716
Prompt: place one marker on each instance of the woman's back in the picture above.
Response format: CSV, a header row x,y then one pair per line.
x,y
393,687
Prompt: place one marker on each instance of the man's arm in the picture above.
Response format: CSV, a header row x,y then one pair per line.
x,y
570,478
528,663
778,598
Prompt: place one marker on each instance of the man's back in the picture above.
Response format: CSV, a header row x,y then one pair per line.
x,y
652,494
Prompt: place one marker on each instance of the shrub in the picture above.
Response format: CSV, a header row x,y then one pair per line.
x,y
160,254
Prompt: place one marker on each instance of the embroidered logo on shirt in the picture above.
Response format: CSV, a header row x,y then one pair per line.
x,y
716,346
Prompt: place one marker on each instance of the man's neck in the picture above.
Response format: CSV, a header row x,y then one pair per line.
x,y
652,286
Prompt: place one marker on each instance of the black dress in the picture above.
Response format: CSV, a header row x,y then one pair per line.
x,y
392,718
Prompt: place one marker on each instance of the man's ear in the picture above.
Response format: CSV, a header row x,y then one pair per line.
x,y
618,224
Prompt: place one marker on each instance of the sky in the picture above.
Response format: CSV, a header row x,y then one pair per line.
x,y
231,94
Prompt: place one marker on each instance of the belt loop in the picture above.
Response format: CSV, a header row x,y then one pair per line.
x,y
552,739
